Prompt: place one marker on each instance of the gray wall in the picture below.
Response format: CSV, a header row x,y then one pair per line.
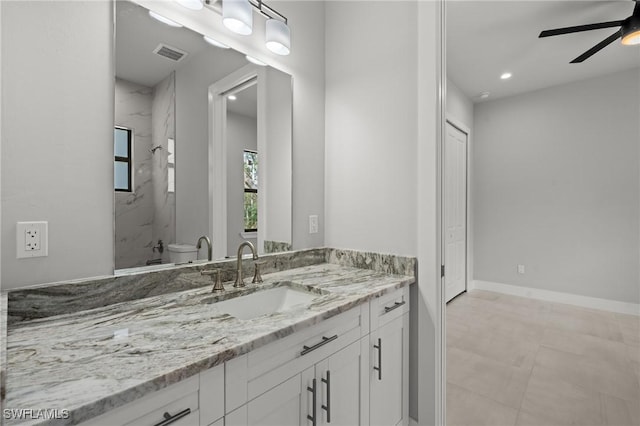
x,y
381,155
57,137
556,188
371,128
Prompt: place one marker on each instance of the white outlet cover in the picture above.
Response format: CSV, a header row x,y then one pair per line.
x,y
313,224
32,239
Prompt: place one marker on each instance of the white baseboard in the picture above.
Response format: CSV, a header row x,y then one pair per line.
x,y
558,297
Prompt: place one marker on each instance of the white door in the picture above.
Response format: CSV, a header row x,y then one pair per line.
x,y
455,211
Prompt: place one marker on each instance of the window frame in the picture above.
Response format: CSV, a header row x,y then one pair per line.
x,y
248,190
128,159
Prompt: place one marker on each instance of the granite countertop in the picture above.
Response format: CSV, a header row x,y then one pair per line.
x,y
73,361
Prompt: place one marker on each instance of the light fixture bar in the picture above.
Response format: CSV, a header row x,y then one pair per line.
x,y
265,9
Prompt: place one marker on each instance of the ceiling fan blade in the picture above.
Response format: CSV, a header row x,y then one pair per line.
x,y
598,47
580,28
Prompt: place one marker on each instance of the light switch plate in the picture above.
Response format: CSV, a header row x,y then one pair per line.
x,y
32,239
313,224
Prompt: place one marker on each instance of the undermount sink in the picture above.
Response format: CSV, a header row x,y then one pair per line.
x,y
263,302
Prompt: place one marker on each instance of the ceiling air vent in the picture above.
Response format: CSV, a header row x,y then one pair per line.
x,y
170,52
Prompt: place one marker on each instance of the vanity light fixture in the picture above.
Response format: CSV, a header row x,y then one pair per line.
x,y
191,4
232,97
164,20
506,76
237,15
215,42
255,61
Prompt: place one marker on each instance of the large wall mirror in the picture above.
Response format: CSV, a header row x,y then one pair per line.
x,y
175,180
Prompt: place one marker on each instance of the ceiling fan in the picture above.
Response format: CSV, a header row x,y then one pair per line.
x,y
629,31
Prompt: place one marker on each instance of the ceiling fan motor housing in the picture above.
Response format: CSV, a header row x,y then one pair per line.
x,y
631,30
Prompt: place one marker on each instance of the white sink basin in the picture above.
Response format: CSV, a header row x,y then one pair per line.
x,y
278,299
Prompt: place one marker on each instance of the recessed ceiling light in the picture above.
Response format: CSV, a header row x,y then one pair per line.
x,y
215,42
164,20
255,61
506,75
232,97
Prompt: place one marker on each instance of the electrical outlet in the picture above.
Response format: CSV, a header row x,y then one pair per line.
x,y
31,239
521,269
313,224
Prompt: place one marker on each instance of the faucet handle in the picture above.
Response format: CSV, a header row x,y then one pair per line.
x,y
215,277
257,278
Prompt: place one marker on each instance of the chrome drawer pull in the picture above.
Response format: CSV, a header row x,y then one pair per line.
x,y
396,305
313,417
325,340
168,418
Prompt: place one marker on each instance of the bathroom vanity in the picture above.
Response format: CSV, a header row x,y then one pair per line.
x,y
323,340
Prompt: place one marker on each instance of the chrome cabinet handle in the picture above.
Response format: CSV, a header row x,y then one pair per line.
x,y
168,418
327,407
396,305
325,340
312,389
379,367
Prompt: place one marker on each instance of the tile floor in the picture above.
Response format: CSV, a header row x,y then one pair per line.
x,y
518,361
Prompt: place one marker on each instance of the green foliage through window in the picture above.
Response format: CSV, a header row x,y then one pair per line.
x,y
250,191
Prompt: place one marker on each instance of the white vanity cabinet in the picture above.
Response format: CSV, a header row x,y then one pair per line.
x,y
312,377
389,360
350,369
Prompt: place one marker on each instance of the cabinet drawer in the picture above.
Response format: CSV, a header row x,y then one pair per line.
x,y
389,306
150,409
183,412
254,373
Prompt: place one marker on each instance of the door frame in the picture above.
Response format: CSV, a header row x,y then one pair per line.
x,y
468,267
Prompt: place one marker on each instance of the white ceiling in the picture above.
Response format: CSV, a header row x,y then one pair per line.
x,y
487,38
137,35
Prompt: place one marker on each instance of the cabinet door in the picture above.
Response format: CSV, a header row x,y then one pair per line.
x,y
339,379
284,405
389,378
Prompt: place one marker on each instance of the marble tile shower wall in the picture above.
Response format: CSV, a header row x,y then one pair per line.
x,y
147,214
163,123
134,210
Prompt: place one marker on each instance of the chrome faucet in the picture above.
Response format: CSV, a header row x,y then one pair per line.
x,y
239,281
209,249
